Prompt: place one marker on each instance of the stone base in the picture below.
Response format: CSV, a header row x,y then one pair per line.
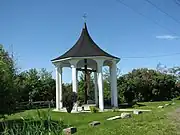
x,y
64,110
114,118
83,108
70,130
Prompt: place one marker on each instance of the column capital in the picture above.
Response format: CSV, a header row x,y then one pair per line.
x,y
113,63
73,63
59,69
100,62
57,65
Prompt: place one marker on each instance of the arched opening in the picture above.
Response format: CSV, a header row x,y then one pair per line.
x,y
106,86
107,78
86,85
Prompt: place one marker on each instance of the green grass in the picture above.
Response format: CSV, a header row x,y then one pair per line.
x,y
147,123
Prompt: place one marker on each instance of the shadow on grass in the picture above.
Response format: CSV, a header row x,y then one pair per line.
x,y
139,105
126,105
131,105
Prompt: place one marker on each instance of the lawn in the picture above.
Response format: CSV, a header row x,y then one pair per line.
x,y
155,122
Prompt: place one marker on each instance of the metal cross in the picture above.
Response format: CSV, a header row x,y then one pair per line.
x,y
84,17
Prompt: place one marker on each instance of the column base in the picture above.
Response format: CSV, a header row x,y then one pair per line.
x,y
56,110
64,110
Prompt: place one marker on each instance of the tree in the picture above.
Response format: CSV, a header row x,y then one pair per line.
x,y
47,90
107,85
146,85
7,75
22,87
34,85
175,71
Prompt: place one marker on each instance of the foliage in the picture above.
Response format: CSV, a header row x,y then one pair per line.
x,y
107,86
115,109
44,125
175,71
155,122
69,98
81,89
38,85
147,85
34,85
94,109
15,87
7,75
107,92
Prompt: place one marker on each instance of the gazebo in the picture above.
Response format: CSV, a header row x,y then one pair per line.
x,y
85,56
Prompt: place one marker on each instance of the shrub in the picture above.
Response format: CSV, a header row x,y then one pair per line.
x,y
94,109
41,125
69,98
115,109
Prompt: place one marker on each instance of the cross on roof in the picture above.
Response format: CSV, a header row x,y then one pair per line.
x,y
84,17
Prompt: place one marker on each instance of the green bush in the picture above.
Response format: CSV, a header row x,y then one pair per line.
x,y
115,109
147,85
69,98
94,109
42,125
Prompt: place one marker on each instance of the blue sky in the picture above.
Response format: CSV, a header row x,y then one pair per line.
x,y
40,30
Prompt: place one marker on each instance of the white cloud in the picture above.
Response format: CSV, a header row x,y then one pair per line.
x,y
168,37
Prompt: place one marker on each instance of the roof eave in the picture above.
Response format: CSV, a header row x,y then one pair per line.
x,y
86,57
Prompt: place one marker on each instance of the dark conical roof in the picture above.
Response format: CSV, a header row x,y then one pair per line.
x,y
85,47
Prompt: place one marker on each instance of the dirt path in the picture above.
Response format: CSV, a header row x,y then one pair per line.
x,y
175,118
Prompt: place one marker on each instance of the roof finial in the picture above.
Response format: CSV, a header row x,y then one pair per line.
x,y
84,17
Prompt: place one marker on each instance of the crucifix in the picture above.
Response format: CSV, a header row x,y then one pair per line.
x,y
87,77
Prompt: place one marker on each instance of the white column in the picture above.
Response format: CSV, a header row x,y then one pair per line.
x,y
111,80
57,89
114,83
60,88
100,84
74,79
95,88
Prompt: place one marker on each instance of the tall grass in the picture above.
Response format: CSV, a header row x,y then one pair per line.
x,y
41,125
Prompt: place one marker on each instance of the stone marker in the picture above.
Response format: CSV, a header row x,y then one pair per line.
x,y
114,118
166,105
173,103
125,115
94,123
69,131
160,106
137,112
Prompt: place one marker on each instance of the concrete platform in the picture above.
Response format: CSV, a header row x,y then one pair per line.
x,y
80,109
87,109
